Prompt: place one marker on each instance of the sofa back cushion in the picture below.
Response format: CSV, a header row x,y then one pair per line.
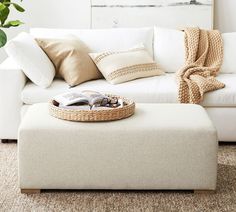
x,y
229,62
99,40
169,51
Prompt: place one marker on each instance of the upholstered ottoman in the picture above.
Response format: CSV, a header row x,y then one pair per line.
x,y
163,146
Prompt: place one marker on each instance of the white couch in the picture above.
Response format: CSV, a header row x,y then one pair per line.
x,y
166,46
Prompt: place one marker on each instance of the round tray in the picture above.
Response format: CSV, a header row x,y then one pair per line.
x,y
93,115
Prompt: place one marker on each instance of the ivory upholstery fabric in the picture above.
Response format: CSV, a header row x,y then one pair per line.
x,y
31,59
169,46
158,89
163,146
220,104
204,57
224,121
123,66
71,60
99,40
229,62
11,77
169,49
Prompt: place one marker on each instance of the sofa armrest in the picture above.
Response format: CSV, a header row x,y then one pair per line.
x,y
12,81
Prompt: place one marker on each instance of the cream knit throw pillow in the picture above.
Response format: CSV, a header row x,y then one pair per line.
x,y
123,66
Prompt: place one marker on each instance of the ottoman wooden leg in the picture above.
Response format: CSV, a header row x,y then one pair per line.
x,y
204,191
30,191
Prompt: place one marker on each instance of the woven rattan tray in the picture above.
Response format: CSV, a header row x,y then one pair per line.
x,y
93,115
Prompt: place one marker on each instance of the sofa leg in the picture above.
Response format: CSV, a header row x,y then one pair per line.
x,y
204,191
5,141
30,191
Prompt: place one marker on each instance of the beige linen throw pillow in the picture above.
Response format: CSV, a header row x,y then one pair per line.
x,y
123,66
71,60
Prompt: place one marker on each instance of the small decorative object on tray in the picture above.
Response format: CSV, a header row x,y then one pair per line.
x,y
90,106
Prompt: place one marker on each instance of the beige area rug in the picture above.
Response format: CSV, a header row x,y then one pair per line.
x,y
12,200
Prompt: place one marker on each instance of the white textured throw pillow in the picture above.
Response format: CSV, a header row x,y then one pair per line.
x,y
25,51
123,66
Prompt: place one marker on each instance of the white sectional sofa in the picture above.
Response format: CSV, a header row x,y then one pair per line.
x,y
166,46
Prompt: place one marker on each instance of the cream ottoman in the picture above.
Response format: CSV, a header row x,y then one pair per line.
x,y
163,146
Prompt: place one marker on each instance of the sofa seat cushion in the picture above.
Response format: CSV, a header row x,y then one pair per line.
x,y
158,89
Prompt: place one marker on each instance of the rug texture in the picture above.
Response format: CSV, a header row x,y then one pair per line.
x,y
12,200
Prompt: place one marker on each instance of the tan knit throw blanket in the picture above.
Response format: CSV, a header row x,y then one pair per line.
x,y
204,56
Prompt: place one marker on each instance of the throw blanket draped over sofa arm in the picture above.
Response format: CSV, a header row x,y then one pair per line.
x,y
204,57
12,81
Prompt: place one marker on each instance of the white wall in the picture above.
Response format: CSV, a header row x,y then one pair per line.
x,y
225,15
51,14
76,14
